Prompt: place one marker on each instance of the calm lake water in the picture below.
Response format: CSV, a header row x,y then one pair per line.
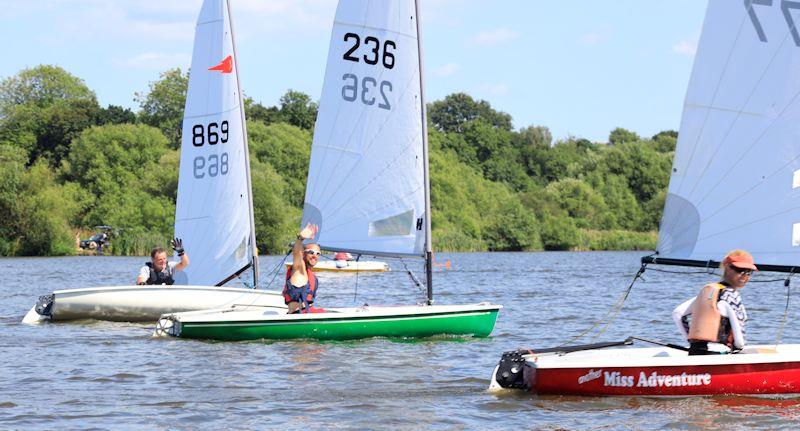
x,y
105,375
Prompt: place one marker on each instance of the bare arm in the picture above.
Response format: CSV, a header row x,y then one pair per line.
x,y
183,263
144,274
177,245
299,275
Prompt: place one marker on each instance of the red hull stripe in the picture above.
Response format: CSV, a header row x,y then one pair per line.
x,y
765,378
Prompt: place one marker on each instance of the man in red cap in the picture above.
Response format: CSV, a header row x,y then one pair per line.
x,y
718,314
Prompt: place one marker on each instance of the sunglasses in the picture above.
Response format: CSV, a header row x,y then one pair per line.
x,y
313,252
742,271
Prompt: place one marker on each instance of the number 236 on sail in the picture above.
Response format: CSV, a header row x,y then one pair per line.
x,y
367,89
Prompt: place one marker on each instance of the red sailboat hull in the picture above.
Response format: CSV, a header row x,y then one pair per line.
x,y
768,378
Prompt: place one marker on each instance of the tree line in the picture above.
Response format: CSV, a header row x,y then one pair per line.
x,y
68,164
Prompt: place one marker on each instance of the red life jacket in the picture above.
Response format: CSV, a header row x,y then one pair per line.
x,y
302,294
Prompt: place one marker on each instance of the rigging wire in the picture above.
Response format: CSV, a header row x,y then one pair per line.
x,y
414,278
276,269
786,283
612,313
355,291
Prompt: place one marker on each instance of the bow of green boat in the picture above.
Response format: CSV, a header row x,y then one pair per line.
x,y
415,321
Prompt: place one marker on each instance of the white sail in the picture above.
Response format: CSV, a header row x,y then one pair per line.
x,y
366,188
736,175
213,209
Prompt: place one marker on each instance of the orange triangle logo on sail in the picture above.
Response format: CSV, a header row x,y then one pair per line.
x,y
225,66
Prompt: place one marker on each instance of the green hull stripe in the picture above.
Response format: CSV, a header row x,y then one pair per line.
x,y
478,324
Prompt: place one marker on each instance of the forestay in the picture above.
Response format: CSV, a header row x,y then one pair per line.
x,y
213,213
366,189
736,175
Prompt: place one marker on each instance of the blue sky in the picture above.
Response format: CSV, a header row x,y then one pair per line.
x,y
579,67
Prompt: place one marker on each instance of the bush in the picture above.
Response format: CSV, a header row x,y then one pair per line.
x,y
616,240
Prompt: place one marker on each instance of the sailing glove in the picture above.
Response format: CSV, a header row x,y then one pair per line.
x,y
177,245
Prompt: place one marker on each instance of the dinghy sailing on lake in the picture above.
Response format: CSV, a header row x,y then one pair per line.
x,y
368,186
735,184
214,210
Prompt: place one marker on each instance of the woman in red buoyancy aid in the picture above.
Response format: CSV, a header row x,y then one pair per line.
x,y
301,285
717,312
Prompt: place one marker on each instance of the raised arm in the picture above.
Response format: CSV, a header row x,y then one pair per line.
x,y
177,246
298,265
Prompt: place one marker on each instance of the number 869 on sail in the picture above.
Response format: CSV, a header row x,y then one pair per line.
x,y
214,164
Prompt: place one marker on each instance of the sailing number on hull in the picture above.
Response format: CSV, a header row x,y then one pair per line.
x,y
211,134
786,9
367,89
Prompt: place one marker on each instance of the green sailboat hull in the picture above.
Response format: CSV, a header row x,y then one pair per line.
x,y
474,323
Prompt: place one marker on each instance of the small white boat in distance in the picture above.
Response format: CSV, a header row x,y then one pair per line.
x,y
349,266
214,209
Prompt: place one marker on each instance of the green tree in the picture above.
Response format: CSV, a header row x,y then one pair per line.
x,y
287,149
585,206
450,114
114,114
621,136
42,109
298,110
257,112
665,141
276,219
48,208
645,169
12,168
162,106
119,165
41,86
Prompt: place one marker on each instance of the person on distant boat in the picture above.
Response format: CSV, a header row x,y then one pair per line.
x,y
301,285
341,258
718,314
159,270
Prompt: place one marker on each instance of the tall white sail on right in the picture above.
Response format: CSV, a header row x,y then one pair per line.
x,y
365,186
736,175
213,210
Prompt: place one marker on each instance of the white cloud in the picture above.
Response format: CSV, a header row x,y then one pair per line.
x,y
448,69
156,61
495,89
685,47
495,37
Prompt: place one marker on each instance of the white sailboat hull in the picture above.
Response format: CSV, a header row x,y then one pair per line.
x,y
147,303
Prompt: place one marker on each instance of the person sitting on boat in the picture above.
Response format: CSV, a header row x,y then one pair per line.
x,y
158,270
718,314
341,258
301,285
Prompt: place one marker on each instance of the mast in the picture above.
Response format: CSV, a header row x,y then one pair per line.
x,y
426,174
254,251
